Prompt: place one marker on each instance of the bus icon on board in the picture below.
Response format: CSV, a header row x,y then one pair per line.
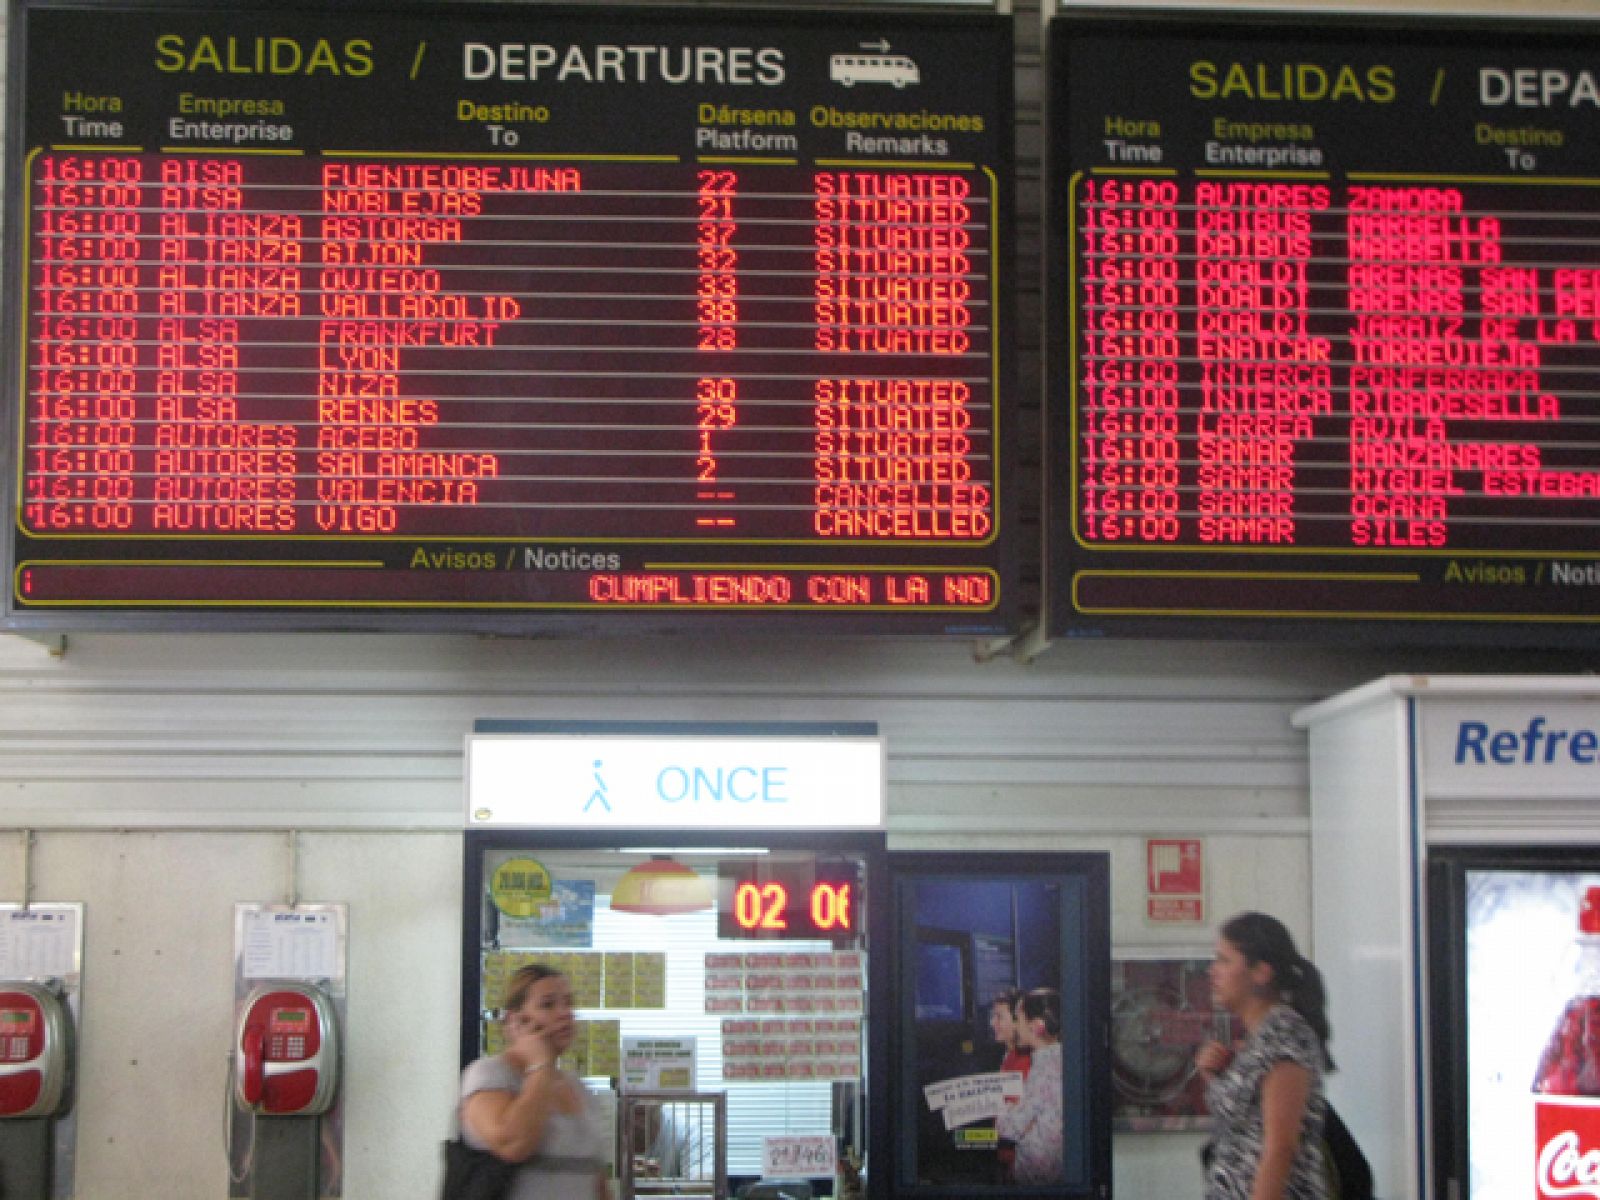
x,y
851,69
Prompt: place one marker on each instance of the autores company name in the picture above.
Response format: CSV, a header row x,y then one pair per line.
x,y
1535,744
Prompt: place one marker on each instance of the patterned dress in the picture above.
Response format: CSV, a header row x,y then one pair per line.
x,y
1234,1097
1035,1125
1006,1154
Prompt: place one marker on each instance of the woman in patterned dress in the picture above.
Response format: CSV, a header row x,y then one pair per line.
x,y
1266,1095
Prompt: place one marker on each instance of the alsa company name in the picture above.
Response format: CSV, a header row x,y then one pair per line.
x,y
536,62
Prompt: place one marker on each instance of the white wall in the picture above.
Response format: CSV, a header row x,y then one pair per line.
x,y
1364,865
158,987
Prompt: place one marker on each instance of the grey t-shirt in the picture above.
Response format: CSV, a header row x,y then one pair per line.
x,y
569,1156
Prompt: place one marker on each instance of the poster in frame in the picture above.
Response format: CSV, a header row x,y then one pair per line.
x,y
968,929
1162,1011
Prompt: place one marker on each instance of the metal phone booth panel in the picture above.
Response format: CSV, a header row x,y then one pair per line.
x,y
41,987
715,896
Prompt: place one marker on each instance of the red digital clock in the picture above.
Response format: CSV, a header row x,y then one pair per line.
x,y
789,898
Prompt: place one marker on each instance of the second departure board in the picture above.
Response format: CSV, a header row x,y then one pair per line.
x,y
509,317
1326,327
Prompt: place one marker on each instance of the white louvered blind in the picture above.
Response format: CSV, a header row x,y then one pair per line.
x,y
754,1109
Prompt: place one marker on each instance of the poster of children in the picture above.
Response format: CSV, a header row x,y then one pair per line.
x,y
986,970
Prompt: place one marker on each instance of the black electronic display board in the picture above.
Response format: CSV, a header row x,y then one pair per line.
x,y
511,317
1325,327
774,897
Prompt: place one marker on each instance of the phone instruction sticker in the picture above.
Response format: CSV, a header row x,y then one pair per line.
x,y
290,945
38,943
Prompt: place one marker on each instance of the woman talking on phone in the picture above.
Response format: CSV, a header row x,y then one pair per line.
x,y
1266,1095
521,1107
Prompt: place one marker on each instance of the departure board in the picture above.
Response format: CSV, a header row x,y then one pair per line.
x,y
1325,333
513,318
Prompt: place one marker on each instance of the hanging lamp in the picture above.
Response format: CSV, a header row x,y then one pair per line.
x,y
659,887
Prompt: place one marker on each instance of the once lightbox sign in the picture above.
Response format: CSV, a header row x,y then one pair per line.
x,y
562,781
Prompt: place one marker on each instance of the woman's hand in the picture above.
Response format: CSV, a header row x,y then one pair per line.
x,y
511,1123
1212,1059
528,1046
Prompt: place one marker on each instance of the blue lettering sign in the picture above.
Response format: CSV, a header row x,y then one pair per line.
x,y
679,784
712,785
775,785
733,784
1469,740
1532,745
742,785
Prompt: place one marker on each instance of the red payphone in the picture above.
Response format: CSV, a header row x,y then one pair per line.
x,y
287,1051
35,1050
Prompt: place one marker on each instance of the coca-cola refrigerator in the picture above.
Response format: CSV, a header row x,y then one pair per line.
x,y
1454,832
1514,1045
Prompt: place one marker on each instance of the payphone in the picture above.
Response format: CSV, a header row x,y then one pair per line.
x,y
287,1051
285,1073
35,1050
35,1070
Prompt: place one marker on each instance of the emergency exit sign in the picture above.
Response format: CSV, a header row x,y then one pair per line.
x,y
1174,881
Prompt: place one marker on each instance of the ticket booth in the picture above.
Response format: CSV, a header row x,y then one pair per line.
x,y
714,894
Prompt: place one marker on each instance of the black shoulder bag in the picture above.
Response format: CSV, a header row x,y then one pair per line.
x,y
1351,1173
474,1174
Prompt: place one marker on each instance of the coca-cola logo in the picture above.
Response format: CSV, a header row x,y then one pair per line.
x,y
1566,1170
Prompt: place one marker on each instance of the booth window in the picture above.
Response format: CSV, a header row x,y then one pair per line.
x,y
776,1021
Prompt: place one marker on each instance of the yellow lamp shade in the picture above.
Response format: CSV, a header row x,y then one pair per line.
x,y
660,887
